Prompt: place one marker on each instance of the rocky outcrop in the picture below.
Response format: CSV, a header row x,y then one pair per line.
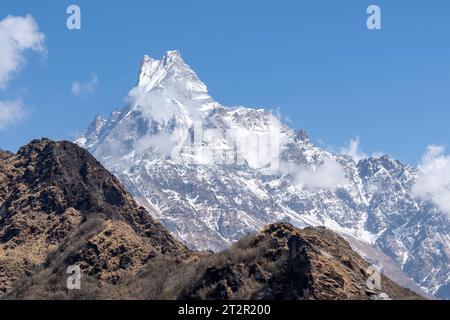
x,y
55,199
283,262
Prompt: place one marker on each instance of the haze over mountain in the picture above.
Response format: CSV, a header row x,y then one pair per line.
x,y
247,169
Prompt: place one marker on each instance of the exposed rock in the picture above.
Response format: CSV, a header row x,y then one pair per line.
x,y
50,192
5,154
313,263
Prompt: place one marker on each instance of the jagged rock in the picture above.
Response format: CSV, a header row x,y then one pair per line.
x,y
258,273
301,136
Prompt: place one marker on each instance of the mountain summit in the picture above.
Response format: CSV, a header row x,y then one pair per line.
x,y
171,72
212,174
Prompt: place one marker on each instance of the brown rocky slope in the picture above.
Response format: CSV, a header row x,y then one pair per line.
x,y
54,196
60,207
283,262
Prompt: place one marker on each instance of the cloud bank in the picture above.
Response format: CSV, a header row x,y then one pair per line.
x,y
433,180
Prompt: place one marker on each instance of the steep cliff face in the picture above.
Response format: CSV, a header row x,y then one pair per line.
x,y
55,197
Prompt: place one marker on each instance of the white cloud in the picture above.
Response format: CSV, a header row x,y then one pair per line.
x,y
163,143
79,88
17,34
328,175
10,112
353,150
433,181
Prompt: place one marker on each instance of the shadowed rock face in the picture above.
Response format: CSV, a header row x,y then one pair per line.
x,y
60,207
51,192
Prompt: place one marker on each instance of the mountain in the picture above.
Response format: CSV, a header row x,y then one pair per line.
x,y
212,174
283,262
60,207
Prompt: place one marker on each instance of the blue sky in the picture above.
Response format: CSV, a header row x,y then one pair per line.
x,y
315,60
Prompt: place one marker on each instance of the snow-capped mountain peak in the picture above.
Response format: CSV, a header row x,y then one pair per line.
x,y
171,57
171,73
90,138
220,188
